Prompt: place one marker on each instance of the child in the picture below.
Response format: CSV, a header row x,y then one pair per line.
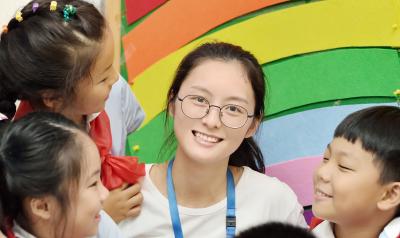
x,y
50,180
217,102
276,230
57,56
357,186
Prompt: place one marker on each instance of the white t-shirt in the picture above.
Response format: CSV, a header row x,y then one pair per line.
x,y
259,199
391,230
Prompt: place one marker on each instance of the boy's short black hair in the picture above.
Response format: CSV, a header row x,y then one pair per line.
x,y
276,230
378,130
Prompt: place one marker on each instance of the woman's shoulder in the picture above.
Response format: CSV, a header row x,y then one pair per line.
x,y
259,180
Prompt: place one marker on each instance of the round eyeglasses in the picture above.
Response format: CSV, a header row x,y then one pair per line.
x,y
231,115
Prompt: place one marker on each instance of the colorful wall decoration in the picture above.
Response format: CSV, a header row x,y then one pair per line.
x,y
322,60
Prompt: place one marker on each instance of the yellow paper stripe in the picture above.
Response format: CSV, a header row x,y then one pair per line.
x,y
307,28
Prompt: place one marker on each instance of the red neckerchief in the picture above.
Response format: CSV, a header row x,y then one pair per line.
x,y
115,170
8,228
315,222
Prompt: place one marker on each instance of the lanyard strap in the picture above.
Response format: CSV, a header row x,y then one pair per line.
x,y
173,207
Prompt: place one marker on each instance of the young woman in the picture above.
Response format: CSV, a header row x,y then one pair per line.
x,y
214,185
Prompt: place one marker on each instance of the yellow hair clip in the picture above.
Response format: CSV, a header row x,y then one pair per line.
x,y
18,16
53,6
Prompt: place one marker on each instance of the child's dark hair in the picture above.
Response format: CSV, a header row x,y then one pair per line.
x,y
39,156
276,230
378,130
248,153
45,53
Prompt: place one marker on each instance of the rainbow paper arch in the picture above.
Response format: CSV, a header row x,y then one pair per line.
x,y
359,69
175,24
341,28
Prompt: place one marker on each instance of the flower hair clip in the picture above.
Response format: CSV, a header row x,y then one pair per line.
x,y
53,6
397,95
69,11
35,7
18,16
5,29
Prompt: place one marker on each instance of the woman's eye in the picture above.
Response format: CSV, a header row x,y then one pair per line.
x,y
233,108
200,99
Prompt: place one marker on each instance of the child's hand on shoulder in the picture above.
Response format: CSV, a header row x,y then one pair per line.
x,y
124,202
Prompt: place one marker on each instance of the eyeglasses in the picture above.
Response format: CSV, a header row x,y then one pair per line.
x,y
231,115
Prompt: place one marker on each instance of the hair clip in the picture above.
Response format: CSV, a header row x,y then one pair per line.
x,y
69,11
35,7
5,29
3,117
18,16
53,6
397,95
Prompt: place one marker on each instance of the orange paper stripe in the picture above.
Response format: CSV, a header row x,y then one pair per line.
x,y
177,23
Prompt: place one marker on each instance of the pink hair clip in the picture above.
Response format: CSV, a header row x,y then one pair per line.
x,y
35,7
3,117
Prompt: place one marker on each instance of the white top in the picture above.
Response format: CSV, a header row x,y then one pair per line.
x,y
259,199
107,229
125,114
391,230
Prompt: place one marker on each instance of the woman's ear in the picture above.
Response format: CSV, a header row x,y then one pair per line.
x,y
43,207
253,127
390,198
171,106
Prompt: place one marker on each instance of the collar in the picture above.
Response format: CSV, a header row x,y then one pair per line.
x,y
324,230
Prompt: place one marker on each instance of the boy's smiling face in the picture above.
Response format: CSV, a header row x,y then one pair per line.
x,y
346,184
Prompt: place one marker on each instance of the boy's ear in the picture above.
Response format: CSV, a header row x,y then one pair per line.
x,y
391,197
253,127
42,207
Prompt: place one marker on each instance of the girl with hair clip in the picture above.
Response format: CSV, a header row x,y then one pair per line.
x,y
214,186
58,56
50,182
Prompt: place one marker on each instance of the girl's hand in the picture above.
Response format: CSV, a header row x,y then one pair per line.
x,y
124,202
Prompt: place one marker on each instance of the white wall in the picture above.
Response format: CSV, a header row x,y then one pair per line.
x,y
9,7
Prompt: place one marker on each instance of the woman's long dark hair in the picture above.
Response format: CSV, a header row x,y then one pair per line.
x,y
248,153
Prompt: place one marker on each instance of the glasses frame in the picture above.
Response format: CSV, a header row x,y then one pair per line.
x,y
209,107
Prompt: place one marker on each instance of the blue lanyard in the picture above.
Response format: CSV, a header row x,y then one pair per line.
x,y
173,207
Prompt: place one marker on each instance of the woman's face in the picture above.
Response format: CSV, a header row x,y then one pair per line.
x,y
208,139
